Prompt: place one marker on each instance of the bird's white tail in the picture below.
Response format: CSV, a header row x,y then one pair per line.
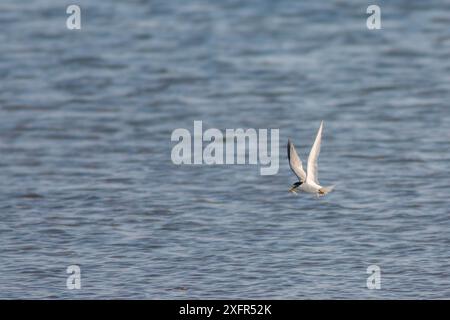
x,y
325,190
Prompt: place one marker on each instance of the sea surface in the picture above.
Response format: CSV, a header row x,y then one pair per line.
x,y
86,176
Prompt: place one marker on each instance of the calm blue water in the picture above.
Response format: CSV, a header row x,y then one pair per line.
x,y
86,176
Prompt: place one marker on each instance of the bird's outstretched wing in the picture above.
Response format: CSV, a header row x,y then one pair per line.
x,y
312,158
295,163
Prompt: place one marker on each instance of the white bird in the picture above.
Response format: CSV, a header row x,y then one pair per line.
x,y
308,182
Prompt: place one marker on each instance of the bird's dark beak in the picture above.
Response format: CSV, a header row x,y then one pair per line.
x,y
295,186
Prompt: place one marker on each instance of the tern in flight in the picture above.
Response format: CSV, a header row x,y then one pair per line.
x,y
308,182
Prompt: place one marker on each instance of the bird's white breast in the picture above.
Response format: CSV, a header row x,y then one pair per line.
x,y
309,187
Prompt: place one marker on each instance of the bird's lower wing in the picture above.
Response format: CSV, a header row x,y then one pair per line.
x,y
295,163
